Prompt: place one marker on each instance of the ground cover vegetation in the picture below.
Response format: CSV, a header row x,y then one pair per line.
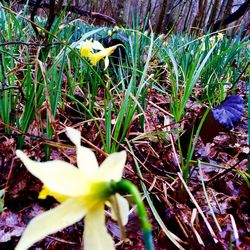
x,y
176,103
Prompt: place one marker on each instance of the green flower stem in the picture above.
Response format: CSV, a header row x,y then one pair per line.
x,y
123,187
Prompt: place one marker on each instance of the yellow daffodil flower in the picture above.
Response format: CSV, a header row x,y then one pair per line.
x,y
219,36
165,43
116,28
110,32
212,40
82,192
87,50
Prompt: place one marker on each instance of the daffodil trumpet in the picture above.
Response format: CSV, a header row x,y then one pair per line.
x,y
82,192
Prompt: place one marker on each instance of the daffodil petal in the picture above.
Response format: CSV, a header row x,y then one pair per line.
x,y
106,62
97,45
66,214
123,209
95,236
74,135
86,160
59,176
112,167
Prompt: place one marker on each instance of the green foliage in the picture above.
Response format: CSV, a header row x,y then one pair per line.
x,y
206,64
1,201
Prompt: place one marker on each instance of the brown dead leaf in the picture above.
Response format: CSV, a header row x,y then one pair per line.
x,y
11,225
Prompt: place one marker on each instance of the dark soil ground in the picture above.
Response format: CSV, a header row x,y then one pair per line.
x,y
226,187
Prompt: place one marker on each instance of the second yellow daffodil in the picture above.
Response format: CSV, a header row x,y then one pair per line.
x,y
87,50
82,192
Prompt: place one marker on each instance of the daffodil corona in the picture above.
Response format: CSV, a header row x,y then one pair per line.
x,y
82,192
87,50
